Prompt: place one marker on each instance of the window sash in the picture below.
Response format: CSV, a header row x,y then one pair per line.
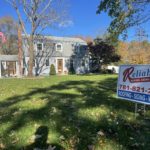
x,y
47,62
39,46
59,47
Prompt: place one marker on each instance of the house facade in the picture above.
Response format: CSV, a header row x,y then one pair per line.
x,y
64,53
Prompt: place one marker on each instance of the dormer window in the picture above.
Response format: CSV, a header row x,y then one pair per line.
x,y
59,47
39,47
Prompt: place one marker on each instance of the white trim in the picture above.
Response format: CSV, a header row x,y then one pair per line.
x,y
56,58
17,69
57,45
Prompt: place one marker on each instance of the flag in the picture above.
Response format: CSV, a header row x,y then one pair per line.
x,y
2,36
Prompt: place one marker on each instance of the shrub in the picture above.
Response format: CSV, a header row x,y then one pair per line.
x,y
106,71
52,70
71,67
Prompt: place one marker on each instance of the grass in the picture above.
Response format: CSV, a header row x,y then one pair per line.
x,y
69,112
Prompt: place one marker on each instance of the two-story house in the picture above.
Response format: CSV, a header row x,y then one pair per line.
x,y
62,52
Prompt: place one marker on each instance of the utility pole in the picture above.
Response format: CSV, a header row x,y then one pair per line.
x,y
141,36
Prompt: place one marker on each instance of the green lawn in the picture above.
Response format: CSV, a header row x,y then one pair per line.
x,y
71,113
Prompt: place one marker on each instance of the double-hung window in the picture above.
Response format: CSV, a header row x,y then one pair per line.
x,y
39,46
59,47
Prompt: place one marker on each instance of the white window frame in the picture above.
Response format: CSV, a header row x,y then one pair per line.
x,y
61,47
37,46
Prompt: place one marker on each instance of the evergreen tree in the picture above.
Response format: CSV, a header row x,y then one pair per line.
x,y
52,70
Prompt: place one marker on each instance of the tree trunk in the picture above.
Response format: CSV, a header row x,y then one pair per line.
x,y
20,53
31,56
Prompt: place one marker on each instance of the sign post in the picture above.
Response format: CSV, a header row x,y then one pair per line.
x,y
134,84
135,112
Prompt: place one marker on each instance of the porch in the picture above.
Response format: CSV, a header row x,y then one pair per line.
x,y
9,66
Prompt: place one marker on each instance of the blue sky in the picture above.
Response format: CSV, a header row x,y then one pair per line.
x,y
83,16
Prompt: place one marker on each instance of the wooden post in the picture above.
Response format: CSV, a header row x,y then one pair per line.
x,y
20,53
135,112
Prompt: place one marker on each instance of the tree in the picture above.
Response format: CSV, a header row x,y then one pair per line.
x,y
52,70
41,57
71,67
124,14
102,52
38,14
9,27
135,52
122,50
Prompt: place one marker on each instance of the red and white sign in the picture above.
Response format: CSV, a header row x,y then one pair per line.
x,y
134,83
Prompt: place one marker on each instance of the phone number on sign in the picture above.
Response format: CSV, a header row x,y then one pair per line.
x,y
134,88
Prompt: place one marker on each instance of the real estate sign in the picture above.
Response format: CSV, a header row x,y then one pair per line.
x,y
134,83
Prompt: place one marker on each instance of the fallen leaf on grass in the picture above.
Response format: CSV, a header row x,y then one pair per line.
x,y
101,133
50,147
37,149
15,141
62,137
90,147
131,138
2,146
36,136
135,145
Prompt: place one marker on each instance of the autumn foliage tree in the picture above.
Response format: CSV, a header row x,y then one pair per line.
x,y
101,53
122,50
134,52
9,27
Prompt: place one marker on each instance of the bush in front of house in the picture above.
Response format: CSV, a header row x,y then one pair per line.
x,y
71,69
107,71
52,70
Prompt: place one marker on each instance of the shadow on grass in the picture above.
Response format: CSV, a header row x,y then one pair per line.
x,y
40,140
64,102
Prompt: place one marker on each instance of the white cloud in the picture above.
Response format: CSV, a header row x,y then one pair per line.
x,y
66,24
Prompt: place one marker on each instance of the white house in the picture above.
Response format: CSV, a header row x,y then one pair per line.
x,y
62,52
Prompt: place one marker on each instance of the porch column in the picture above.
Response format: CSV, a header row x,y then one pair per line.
x,y
0,70
17,70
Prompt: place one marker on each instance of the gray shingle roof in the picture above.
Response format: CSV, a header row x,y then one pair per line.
x,y
8,57
66,39
63,39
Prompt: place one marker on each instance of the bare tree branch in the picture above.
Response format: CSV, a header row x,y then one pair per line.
x,y
40,14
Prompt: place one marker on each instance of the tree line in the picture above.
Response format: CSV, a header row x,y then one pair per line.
x,y
40,15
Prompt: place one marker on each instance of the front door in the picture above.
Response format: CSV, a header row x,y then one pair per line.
x,y
60,66
11,67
